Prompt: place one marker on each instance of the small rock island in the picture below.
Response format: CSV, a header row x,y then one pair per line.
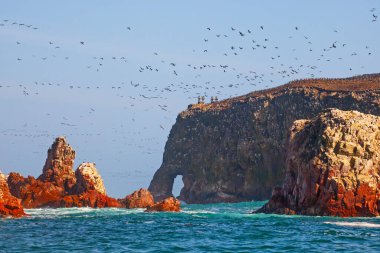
x,y
59,186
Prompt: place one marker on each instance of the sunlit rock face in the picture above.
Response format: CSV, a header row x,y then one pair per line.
x,y
234,150
138,199
170,204
88,178
58,185
58,167
332,167
10,206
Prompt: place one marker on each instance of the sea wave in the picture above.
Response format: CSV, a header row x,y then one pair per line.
x,y
198,212
207,228
354,224
78,212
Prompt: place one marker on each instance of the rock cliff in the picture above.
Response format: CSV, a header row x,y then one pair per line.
x,y
58,185
9,205
234,150
332,167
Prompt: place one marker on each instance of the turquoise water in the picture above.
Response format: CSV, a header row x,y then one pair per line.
x,y
198,228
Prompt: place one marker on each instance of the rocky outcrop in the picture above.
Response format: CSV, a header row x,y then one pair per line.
x,y
138,199
35,193
234,150
88,178
58,185
170,204
9,205
58,167
332,167
90,198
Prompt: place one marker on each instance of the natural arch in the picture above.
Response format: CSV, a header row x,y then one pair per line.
x,y
177,185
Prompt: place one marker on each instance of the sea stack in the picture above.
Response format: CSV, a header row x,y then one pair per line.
x,y
9,205
332,167
58,168
88,178
58,185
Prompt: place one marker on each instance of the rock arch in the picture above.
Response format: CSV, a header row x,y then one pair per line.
x,y
233,150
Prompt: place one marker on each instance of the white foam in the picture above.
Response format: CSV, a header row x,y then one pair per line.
x,y
197,212
354,224
80,211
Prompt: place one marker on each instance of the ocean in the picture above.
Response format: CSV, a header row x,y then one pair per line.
x,y
198,228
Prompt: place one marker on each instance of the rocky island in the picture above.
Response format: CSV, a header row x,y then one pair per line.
x,y
332,167
59,185
234,150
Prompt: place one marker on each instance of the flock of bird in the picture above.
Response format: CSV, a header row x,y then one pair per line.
x,y
281,61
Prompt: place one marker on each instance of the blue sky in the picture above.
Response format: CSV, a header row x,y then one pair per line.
x,y
117,95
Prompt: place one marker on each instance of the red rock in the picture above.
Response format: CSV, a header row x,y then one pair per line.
x,y
332,167
170,204
138,199
89,198
35,193
16,182
59,186
59,164
10,206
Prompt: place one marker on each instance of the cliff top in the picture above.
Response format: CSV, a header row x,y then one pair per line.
x,y
356,83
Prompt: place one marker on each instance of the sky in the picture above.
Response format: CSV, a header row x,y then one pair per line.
x,y
112,76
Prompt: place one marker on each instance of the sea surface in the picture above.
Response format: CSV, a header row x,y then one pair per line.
x,y
198,228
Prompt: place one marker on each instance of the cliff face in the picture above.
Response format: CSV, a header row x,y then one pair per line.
x,y
332,167
233,150
58,185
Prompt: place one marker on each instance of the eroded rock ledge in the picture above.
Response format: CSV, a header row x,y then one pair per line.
x,y
59,185
332,167
170,204
143,199
234,150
